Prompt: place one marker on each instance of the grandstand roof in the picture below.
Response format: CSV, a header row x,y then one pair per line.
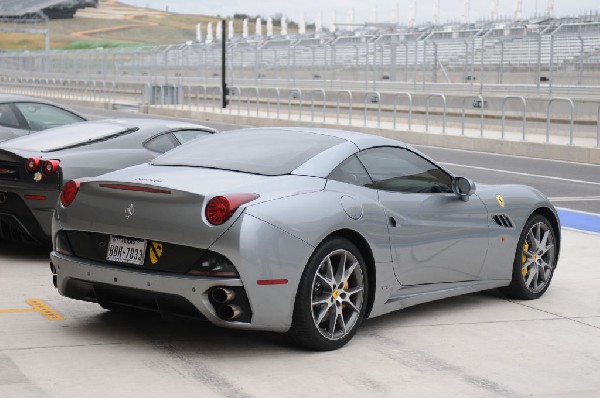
x,y
16,8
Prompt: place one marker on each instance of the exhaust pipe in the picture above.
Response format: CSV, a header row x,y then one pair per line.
x,y
230,312
3,197
222,295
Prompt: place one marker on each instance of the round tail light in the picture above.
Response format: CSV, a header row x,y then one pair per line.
x,y
220,208
32,164
69,192
50,167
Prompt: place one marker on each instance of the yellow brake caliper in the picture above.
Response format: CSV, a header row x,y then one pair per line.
x,y
345,288
524,259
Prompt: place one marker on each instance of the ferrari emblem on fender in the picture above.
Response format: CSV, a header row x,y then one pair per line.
x,y
156,250
129,211
500,200
37,177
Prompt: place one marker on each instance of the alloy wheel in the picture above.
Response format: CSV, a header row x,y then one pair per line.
x,y
337,294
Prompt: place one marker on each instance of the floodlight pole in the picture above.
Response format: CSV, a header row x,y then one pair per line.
x,y
225,91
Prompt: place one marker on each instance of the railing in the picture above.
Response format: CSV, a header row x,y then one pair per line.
x,y
572,121
410,103
524,102
335,107
444,102
483,104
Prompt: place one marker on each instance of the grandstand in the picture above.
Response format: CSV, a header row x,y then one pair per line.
x,y
42,9
548,52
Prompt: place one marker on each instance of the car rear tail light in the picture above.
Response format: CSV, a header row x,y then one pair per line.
x,y
50,167
69,192
32,164
220,208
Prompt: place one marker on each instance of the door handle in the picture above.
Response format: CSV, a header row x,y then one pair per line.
x,y
392,221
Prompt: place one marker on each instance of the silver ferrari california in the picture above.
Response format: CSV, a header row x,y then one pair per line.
x,y
34,167
297,230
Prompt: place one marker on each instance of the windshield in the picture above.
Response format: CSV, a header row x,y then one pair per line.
x,y
266,152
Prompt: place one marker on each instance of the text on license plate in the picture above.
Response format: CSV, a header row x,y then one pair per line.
x,y
126,250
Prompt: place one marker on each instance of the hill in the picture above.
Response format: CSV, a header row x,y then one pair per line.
x,y
112,24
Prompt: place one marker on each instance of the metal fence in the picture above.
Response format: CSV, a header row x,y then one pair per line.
x,y
539,119
546,60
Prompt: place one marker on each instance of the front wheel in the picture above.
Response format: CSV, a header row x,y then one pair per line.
x,y
535,260
332,297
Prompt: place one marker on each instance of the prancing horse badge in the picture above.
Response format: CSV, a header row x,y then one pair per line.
x,y
500,200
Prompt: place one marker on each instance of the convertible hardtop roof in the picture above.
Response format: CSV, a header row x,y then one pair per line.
x,y
272,151
361,140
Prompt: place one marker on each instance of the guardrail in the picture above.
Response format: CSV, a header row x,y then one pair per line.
x,y
339,103
524,102
444,102
482,104
572,109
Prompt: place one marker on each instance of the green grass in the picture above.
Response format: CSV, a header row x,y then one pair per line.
x,y
90,45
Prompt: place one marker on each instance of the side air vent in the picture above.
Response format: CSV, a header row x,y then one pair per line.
x,y
503,220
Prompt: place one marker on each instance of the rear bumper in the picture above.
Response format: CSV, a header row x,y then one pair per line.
x,y
21,223
77,277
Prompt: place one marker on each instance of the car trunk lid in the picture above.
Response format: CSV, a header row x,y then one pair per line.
x,y
167,203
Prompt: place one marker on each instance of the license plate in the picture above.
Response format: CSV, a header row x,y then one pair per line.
x,y
126,250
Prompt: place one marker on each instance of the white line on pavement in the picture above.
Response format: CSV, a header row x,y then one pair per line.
x,y
509,156
522,174
574,198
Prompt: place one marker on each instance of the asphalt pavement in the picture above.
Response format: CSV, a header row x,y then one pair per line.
x,y
477,345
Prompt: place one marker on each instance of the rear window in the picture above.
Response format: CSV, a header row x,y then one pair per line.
x,y
266,152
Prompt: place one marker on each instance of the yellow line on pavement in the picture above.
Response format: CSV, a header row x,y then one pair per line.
x,y
39,306
44,309
12,311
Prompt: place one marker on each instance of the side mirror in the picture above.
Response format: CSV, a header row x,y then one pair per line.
x,y
463,187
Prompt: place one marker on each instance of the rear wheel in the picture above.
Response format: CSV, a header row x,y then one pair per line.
x,y
535,260
332,297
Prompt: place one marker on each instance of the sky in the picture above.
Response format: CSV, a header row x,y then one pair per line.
x,y
450,10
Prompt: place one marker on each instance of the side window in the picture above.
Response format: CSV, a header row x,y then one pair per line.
x,y
8,117
400,170
161,143
184,136
351,171
43,116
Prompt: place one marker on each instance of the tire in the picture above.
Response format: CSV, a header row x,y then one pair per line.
x,y
330,305
535,260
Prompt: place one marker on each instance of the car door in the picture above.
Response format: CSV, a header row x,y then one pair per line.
x,y
435,236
